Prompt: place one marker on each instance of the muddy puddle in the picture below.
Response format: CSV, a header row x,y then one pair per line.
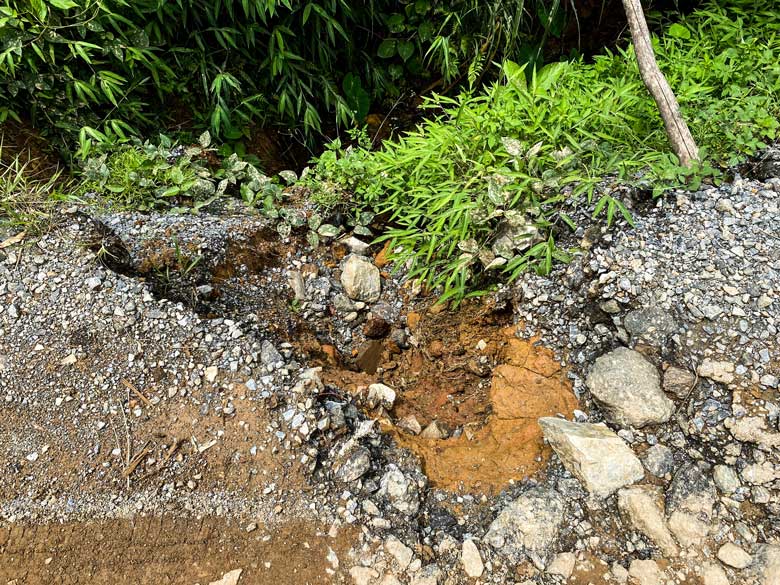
x,y
469,394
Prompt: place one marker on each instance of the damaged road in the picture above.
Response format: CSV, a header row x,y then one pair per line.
x,y
306,416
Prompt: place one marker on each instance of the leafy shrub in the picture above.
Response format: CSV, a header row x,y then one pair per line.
x,y
484,186
170,176
111,66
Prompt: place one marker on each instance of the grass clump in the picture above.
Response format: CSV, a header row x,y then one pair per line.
x,y
28,194
479,191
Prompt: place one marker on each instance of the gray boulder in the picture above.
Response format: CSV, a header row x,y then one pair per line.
x,y
593,454
353,463
659,460
642,506
399,491
360,279
628,388
650,325
269,355
528,527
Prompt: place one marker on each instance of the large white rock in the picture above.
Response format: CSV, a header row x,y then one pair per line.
x,y
645,572
712,574
562,564
380,394
360,279
726,479
628,388
722,372
734,556
399,551
363,575
400,491
229,578
759,473
642,505
753,429
593,454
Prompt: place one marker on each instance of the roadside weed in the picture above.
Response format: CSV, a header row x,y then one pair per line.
x,y
27,197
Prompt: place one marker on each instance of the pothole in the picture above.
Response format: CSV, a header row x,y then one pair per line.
x,y
473,389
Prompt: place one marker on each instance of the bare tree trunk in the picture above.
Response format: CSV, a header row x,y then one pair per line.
x,y
676,129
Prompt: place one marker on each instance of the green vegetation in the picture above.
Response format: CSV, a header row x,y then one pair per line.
x,y
104,70
478,193
488,183
27,196
170,176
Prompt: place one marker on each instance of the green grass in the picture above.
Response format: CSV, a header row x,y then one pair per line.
x,y
479,192
28,197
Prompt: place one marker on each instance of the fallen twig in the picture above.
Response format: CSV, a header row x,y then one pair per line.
x,y
205,447
127,433
173,448
137,392
7,243
137,460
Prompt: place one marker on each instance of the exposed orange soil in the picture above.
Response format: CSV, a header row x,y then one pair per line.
x,y
507,444
468,370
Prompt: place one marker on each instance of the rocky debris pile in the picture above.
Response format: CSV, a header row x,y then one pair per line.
x,y
675,348
680,483
670,332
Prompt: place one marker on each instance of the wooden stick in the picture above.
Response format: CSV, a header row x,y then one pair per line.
x,y
137,460
677,129
137,392
127,434
13,240
173,448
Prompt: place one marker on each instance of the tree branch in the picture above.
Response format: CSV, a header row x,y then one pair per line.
x,y
676,129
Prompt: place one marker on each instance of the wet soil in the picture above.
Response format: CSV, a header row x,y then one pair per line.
x,y
468,373
463,371
168,551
